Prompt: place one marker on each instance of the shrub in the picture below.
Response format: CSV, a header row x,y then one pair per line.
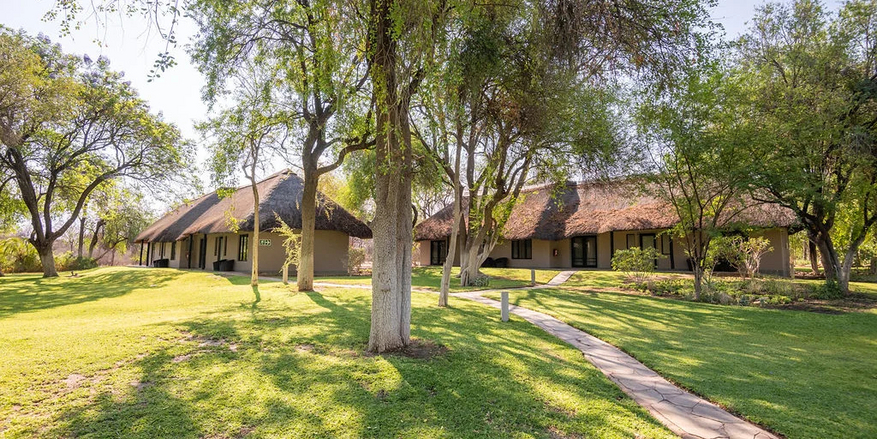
x,y
17,255
743,253
636,263
827,291
481,281
67,262
355,259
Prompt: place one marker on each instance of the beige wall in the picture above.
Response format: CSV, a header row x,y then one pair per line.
x,y
330,252
775,262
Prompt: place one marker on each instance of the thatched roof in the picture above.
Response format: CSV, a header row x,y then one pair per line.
x,y
591,208
280,193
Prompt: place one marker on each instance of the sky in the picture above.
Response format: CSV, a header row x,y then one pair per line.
x,y
177,93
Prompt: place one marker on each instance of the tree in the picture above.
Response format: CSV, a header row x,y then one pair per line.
x,y
813,83
119,220
514,129
312,54
243,136
69,126
703,155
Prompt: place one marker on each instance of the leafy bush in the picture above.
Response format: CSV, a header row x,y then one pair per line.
x,y
828,290
67,262
17,255
481,281
355,259
742,253
636,263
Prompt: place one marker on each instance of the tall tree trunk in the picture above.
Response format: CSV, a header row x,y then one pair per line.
x,y
445,288
254,275
308,222
47,257
81,241
94,237
391,279
814,262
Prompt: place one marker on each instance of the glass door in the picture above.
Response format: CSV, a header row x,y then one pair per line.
x,y
584,251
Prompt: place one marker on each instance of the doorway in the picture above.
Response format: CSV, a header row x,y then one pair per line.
x,y
584,251
202,253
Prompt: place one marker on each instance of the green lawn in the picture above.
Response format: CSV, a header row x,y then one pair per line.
x,y
429,278
123,352
802,374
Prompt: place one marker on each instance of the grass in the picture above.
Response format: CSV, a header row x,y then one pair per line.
x,y
429,278
134,353
802,374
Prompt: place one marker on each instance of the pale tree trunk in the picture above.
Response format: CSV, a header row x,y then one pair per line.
x,y
254,275
391,279
308,222
445,288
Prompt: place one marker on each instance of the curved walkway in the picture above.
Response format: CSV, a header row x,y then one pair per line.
x,y
684,413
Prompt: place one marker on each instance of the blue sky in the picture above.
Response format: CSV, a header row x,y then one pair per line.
x,y
177,93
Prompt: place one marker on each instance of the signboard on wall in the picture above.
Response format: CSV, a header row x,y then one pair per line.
x,y
264,243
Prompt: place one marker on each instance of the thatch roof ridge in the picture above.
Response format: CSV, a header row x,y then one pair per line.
x,y
592,207
278,193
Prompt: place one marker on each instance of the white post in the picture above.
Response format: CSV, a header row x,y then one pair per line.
x,y
285,274
533,277
505,305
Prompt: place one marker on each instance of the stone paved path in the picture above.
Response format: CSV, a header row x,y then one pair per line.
x,y
684,413
561,277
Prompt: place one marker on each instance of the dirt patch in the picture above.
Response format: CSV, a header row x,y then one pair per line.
x,y
74,381
140,385
181,358
420,350
304,348
554,433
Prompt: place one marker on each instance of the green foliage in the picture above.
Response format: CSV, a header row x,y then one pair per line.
x,y
636,263
809,79
355,259
743,253
70,127
68,261
291,241
17,255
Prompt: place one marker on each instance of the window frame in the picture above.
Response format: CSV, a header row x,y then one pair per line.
x,y
631,240
527,249
666,246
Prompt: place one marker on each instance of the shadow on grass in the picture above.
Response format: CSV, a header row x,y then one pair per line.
x,y
37,293
304,372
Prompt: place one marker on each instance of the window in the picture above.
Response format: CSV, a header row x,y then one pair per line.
x,y
438,252
243,247
173,250
665,244
217,242
631,240
225,247
162,251
522,249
